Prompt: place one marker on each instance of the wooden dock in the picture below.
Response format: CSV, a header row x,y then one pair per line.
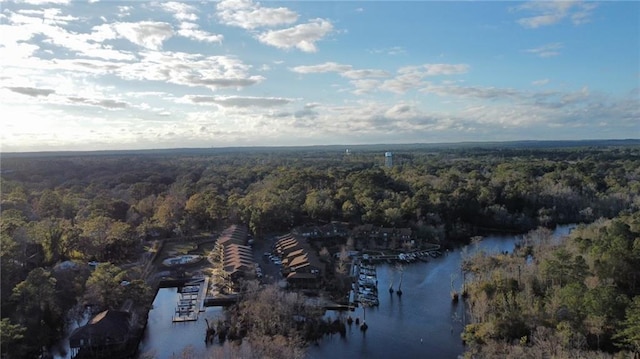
x,y
191,301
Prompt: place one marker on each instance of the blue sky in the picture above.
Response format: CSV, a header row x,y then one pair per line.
x,y
95,75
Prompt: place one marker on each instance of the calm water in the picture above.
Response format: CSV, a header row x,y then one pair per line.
x,y
422,323
165,339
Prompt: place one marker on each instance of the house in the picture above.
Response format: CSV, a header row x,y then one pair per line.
x,y
105,335
233,235
236,257
300,263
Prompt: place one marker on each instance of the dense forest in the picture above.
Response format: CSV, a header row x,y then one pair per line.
x,y
575,298
60,210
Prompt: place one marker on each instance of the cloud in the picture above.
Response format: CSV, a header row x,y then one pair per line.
x,y
189,69
31,91
365,73
180,11
487,93
105,103
44,2
365,80
148,34
249,15
302,37
239,101
392,51
186,14
344,71
446,69
545,13
548,50
200,35
363,86
411,77
322,68
541,82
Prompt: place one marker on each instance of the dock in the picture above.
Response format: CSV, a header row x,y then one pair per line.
x,y
366,286
191,300
433,250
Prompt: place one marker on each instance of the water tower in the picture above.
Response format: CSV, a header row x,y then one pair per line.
x,y
388,159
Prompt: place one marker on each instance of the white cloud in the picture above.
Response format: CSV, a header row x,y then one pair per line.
x,y
104,103
31,91
540,82
411,77
180,11
302,37
392,51
44,2
365,73
148,34
240,101
344,70
547,13
548,50
445,69
249,15
487,93
191,70
200,35
320,68
363,86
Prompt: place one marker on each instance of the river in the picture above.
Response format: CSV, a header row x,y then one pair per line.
x,y
423,322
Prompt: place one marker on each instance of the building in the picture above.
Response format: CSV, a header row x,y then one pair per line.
x,y
300,264
388,159
107,335
235,257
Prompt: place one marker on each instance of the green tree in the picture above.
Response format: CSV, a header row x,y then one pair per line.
x,y
628,335
49,204
37,310
10,335
104,287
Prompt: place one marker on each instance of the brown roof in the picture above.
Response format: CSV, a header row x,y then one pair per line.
x,y
296,275
295,253
107,327
233,235
286,242
299,260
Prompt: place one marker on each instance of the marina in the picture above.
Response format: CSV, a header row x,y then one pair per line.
x,y
422,320
191,300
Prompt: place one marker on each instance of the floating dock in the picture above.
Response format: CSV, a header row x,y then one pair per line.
x,y
191,301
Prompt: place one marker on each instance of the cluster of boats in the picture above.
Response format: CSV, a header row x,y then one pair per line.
x,y
367,286
418,256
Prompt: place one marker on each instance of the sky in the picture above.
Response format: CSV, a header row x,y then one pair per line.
x,y
104,75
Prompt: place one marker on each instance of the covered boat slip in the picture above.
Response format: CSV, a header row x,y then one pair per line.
x,y
191,301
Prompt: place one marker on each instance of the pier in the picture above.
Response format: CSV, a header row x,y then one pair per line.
x,y
191,300
366,285
433,251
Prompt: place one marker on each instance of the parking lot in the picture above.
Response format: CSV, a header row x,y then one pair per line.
x,y
269,267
